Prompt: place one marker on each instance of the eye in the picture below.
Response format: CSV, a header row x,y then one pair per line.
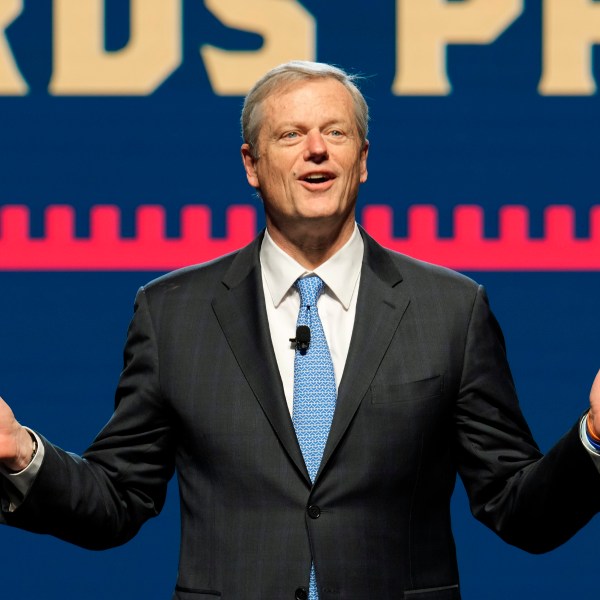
x,y
336,133
290,135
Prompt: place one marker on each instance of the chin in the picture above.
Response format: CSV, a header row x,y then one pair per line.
x,y
320,215
321,208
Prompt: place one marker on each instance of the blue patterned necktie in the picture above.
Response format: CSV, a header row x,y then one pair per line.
x,y
314,388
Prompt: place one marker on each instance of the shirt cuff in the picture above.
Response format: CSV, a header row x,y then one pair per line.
x,y
21,482
594,454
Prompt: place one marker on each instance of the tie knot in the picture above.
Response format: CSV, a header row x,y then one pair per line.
x,y
309,287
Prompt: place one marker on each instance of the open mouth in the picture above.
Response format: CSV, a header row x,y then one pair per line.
x,y
317,178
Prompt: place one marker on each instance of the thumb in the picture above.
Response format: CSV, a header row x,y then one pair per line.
x,y
594,420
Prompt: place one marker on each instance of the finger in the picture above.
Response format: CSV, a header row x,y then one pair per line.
x,y
594,420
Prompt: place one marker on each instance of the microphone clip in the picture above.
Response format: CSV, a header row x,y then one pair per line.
x,y
302,339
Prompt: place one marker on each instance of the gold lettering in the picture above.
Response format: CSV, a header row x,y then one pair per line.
x,y
11,81
571,28
288,30
426,27
82,66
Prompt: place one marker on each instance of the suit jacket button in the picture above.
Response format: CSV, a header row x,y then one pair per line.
x,y
301,594
314,512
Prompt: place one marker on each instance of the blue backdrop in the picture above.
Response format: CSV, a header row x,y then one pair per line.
x,y
495,139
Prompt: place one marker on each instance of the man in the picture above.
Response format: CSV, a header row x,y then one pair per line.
x,y
214,387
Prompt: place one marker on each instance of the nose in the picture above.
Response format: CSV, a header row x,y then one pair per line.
x,y
316,147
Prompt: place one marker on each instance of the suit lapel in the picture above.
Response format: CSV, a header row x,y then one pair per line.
x,y
240,309
380,306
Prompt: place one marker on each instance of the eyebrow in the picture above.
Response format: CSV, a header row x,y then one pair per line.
x,y
299,125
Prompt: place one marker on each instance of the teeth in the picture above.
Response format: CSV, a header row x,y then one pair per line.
x,y
316,177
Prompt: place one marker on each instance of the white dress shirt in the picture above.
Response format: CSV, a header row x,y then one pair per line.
x,y
336,305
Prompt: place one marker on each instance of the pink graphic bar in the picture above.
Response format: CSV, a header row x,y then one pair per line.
x,y
512,250
106,250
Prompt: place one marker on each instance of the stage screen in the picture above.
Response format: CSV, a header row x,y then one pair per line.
x,y
119,129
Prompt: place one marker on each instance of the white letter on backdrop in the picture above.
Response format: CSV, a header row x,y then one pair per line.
x,y
288,31
82,66
425,27
11,81
571,28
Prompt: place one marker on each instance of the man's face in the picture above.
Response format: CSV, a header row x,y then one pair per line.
x,y
310,157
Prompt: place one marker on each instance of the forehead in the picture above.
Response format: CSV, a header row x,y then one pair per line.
x,y
310,100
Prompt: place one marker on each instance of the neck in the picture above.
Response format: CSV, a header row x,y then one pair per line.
x,y
311,246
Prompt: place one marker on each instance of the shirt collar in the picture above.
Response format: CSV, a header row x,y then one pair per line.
x,y
340,272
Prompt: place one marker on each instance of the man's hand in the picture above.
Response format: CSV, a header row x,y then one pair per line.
x,y
16,445
594,419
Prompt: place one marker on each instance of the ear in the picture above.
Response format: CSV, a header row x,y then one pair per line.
x,y
363,161
250,166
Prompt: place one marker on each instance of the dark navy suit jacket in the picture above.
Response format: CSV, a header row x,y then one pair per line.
x,y
426,394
